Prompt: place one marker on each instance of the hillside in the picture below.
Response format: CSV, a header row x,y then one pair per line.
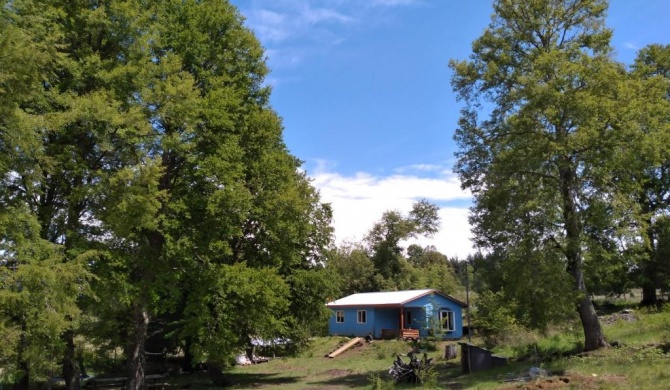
x,y
641,361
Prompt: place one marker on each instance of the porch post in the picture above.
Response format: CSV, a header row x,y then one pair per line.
x,y
402,320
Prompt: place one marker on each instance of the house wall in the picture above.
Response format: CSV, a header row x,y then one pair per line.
x,y
422,310
418,318
430,306
350,326
386,319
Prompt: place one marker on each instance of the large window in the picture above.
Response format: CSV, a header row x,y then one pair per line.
x,y
447,320
339,316
362,317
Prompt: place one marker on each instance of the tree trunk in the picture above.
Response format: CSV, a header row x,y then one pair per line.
x,y
649,296
71,370
24,382
187,363
136,362
649,269
217,375
593,334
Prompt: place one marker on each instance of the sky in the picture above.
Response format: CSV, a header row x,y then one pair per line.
x,y
363,87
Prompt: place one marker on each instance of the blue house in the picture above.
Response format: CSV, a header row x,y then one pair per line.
x,y
408,314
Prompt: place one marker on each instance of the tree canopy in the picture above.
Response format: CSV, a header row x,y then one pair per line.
x,y
145,167
545,138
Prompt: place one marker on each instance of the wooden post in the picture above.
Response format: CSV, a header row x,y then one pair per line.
x,y
402,321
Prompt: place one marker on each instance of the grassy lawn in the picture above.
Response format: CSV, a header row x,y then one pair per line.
x,y
641,362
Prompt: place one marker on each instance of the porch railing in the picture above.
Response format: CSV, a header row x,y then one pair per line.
x,y
404,334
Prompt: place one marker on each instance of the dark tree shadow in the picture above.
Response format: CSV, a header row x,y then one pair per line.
x,y
234,379
241,379
352,380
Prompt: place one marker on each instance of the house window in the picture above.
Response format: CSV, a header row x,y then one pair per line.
x,y
447,320
362,318
408,318
339,316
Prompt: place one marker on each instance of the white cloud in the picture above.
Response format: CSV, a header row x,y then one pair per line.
x,y
421,167
284,26
285,58
630,46
359,200
318,15
289,21
393,3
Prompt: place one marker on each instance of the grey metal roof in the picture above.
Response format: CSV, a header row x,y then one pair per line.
x,y
379,298
388,298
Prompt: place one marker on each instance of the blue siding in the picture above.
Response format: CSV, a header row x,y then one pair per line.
x,y
430,306
386,319
424,310
350,326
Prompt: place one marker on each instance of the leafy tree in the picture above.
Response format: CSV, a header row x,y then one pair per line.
x,y
653,63
557,109
386,235
216,194
353,268
662,251
150,155
37,297
36,191
435,269
495,316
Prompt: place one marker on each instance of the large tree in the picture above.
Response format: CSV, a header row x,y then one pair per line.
x,y
385,238
144,147
653,178
42,205
217,199
546,111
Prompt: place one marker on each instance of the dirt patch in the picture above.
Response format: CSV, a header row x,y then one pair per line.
x,y
573,381
336,373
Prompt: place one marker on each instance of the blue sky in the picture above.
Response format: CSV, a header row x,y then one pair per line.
x,y
363,87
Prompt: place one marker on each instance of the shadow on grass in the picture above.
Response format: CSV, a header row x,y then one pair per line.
x,y
447,373
352,380
236,380
242,379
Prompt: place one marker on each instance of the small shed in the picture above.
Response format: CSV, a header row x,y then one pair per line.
x,y
409,314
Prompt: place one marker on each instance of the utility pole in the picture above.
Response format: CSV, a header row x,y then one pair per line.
x,y
467,298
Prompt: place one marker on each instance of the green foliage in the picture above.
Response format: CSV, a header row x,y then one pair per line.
x,y
38,295
494,317
232,304
547,140
377,383
353,268
381,264
139,138
428,378
384,239
652,67
309,290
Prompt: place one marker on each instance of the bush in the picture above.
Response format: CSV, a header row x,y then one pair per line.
x,y
494,318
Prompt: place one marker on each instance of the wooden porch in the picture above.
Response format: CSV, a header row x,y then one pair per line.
x,y
405,334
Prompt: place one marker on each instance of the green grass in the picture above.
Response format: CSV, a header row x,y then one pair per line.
x,y
354,368
642,361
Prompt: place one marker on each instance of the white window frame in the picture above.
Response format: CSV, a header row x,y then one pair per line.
x,y
364,315
449,315
339,316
